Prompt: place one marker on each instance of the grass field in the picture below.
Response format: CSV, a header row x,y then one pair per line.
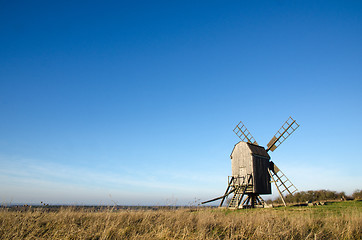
x,y
340,220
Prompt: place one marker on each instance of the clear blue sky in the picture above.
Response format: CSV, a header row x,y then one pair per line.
x,y
134,102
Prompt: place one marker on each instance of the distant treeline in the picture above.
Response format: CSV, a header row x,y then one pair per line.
x,y
319,195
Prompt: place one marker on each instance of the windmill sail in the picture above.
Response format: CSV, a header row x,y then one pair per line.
x,y
283,133
243,133
281,181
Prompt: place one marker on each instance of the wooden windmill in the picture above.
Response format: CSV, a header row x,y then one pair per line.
x,y
252,170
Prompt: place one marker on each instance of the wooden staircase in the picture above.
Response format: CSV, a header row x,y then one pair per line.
x,y
240,190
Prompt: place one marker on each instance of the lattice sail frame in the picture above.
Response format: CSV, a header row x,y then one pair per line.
x,y
283,133
282,182
243,133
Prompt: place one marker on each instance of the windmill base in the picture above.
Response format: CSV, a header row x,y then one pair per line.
x,y
252,201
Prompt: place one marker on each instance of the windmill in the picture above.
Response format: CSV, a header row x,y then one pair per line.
x,y
252,170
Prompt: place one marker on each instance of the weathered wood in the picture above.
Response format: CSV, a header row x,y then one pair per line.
x,y
250,159
215,199
227,189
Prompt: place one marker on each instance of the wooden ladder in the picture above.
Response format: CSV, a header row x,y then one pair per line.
x,y
240,192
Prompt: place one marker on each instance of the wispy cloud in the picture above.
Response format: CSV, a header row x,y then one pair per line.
x,y
315,177
24,174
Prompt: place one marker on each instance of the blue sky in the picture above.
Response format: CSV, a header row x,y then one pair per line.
x,y
134,102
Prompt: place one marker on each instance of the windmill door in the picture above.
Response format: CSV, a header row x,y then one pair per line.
x,y
242,173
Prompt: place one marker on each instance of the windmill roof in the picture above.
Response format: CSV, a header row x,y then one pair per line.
x,y
255,150
258,150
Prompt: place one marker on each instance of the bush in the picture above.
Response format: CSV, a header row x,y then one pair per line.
x,y
357,195
319,195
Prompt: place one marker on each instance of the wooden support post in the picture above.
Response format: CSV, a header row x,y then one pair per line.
x,y
227,189
281,195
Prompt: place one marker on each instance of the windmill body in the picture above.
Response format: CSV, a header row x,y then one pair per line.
x,y
248,159
252,172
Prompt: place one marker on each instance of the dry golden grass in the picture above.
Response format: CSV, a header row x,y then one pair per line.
x,y
341,221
